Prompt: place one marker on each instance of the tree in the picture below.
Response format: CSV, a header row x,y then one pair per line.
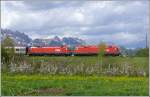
x,y
144,52
7,51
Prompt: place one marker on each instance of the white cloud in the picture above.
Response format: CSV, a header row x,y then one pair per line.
x,y
125,37
79,17
91,20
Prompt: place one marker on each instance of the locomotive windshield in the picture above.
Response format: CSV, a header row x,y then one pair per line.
x,y
71,48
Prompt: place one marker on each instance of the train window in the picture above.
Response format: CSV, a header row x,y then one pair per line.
x,y
71,48
17,49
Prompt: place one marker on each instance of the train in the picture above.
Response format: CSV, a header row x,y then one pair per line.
x,y
110,50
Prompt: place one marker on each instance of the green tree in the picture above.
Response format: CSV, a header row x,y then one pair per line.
x,y
144,52
7,51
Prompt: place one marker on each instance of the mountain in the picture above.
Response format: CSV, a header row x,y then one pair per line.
x,y
56,41
73,41
19,38
22,39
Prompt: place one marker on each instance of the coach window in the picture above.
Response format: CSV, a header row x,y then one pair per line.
x,y
17,49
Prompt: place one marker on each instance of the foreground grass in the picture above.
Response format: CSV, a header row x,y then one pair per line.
x,y
141,62
73,85
90,59
133,65
46,84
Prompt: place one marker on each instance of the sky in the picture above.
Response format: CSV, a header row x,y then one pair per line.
x,y
119,22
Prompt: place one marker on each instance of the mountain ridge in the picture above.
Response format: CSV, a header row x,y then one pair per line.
x,y
21,39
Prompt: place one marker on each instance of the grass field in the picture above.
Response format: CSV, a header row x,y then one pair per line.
x,y
73,85
141,62
45,84
87,65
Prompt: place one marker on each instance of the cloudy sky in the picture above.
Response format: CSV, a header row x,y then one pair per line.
x,y
117,22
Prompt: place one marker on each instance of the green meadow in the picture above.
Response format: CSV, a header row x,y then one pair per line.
x,y
73,85
108,81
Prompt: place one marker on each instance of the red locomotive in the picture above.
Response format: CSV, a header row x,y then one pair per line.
x,y
55,50
67,50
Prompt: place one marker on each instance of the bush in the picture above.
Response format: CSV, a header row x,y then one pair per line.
x,y
143,52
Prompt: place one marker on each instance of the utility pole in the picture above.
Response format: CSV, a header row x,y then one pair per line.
x,y
146,40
